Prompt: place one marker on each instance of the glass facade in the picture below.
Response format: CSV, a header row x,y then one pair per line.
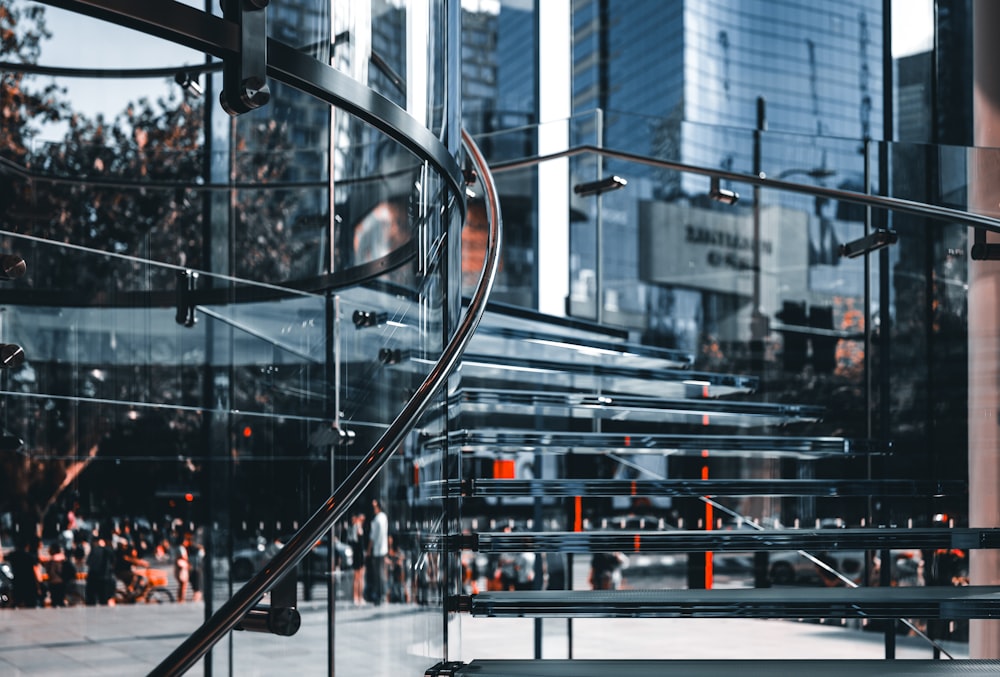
x,y
220,317
689,91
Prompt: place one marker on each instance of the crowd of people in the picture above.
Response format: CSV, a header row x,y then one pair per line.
x,y
104,564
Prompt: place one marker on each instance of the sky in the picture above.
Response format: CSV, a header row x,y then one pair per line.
x,y
912,27
99,44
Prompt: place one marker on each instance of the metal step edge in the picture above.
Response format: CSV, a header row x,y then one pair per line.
x,y
497,440
501,399
682,488
676,541
719,668
739,382
953,603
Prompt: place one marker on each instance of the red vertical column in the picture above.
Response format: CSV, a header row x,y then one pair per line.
x,y
709,520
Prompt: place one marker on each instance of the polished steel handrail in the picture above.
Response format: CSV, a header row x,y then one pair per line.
x,y
763,181
229,615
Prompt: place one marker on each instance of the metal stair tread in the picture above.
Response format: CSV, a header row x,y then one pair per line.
x,y
763,446
634,379
677,540
724,668
581,346
563,487
867,602
630,407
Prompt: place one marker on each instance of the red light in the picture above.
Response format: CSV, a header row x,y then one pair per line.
x,y
188,497
504,469
247,431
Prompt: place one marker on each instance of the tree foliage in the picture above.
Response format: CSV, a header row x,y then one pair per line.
x,y
104,216
108,186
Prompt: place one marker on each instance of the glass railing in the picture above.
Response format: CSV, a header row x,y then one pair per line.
x,y
221,316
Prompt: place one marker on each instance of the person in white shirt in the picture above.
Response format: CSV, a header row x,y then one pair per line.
x,y
378,548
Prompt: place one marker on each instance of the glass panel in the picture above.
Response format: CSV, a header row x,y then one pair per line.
x,y
678,275
216,331
399,50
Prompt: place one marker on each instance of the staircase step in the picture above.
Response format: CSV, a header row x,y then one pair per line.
x,y
676,541
586,376
502,340
718,668
951,603
634,408
680,488
491,442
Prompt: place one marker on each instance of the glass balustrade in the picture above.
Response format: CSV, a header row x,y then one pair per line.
x,y
220,315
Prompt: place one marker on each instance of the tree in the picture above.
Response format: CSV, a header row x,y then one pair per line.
x,y
76,192
104,207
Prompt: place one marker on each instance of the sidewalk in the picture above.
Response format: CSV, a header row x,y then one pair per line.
x,y
393,640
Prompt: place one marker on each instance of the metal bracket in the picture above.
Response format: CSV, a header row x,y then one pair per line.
x,y
983,250
391,355
280,617
868,243
244,76
284,621
444,669
458,604
368,318
11,356
332,436
11,267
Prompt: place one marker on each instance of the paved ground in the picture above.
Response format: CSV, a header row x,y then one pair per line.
x,y
392,640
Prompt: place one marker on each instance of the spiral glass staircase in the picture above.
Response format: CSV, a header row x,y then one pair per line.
x,y
281,332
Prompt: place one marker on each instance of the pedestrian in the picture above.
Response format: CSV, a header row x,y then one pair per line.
x,y
56,569
378,548
25,566
397,574
357,539
182,567
524,566
197,571
100,588
606,570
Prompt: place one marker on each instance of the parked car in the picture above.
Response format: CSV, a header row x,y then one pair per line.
x,y
793,567
787,568
249,560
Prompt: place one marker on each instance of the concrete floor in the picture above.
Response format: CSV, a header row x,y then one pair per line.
x,y
402,640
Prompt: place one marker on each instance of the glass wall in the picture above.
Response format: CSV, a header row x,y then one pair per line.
x,y
221,315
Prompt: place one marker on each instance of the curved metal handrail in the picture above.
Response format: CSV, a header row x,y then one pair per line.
x,y
231,613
